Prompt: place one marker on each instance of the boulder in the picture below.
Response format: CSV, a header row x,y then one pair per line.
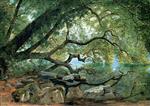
x,y
48,84
31,93
19,85
108,96
68,77
20,95
51,95
27,81
107,88
74,92
72,77
25,93
25,97
95,90
102,92
46,76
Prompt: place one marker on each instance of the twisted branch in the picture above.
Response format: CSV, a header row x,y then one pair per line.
x,y
13,19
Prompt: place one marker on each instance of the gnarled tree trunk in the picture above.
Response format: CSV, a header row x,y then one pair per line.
x,y
3,68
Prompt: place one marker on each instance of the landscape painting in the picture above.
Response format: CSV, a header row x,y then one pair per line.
x,y
74,52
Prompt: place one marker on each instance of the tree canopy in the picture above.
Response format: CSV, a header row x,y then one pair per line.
x,y
60,30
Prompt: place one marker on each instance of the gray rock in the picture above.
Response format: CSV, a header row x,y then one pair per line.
x,y
46,76
109,95
61,88
26,93
95,90
74,92
107,88
58,96
21,95
102,92
49,84
25,96
19,85
72,83
72,77
27,81
68,77
51,95
50,74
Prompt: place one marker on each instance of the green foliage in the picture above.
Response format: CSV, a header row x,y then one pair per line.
x,y
29,66
124,23
5,15
135,82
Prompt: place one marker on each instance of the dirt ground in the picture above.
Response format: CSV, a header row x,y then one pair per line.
x,y
7,89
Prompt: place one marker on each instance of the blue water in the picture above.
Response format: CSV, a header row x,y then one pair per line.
x,y
12,1
115,64
77,64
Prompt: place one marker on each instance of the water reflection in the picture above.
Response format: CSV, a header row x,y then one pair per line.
x,y
77,64
115,64
148,69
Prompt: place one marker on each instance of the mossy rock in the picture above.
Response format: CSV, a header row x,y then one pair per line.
x,y
27,93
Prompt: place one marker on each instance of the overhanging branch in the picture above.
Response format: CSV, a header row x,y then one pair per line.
x,y
47,55
71,56
49,33
97,15
13,19
97,38
26,33
61,17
